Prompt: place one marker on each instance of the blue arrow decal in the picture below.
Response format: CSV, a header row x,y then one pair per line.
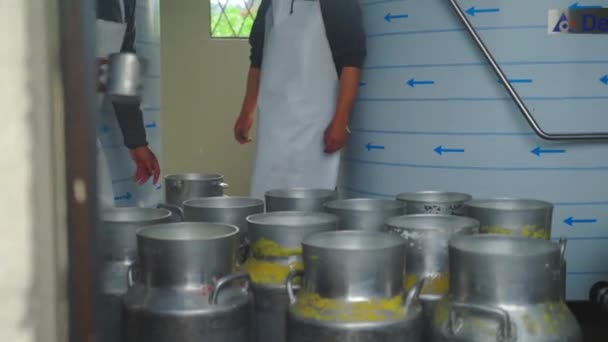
x,y
472,11
604,79
538,151
518,80
389,17
362,84
158,187
412,82
105,129
577,6
440,150
371,146
124,197
152,125
571,221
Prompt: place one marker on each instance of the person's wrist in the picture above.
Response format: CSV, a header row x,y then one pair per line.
x,y
340,119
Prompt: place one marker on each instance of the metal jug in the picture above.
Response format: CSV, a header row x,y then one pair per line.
x,y
125,78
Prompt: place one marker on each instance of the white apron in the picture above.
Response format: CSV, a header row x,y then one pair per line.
x,y
109,38
297,101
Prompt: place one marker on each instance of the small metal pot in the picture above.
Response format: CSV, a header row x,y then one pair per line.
x,y
365,213
512,216
186,186
435,202
298,199
125,79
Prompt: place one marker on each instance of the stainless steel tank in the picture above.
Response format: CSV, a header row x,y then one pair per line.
x,y
504,288
118,247
512,216
352,290
185,186
298,199
364,213
427,237
435,202
186,287
276,249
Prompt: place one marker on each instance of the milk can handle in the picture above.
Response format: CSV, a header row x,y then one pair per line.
x,y
225,281
563,242
173,208
223,185
289,284
131,275
505,331
414,293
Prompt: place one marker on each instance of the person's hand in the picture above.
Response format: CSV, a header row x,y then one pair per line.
x,y
335,136
101,87
242,126
147,164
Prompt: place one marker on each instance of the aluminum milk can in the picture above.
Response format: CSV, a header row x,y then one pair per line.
x,y
276,249
352,290
186,287
427,237
117,230
298,199
365,213
504,288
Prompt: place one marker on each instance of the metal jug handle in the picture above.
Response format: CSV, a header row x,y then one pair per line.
x,y
227,280
224,185
174,209
414,293
289,284
505,331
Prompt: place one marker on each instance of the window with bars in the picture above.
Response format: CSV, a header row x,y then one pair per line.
x,y
232,18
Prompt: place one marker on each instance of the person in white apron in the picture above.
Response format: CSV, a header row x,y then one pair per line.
x,y
116,33
306,59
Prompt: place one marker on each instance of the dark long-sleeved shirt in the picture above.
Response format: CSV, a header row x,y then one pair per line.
x,y
343,25
129,116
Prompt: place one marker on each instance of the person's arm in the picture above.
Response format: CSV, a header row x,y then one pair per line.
x,y
131,120
256,41
348,90
346,36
